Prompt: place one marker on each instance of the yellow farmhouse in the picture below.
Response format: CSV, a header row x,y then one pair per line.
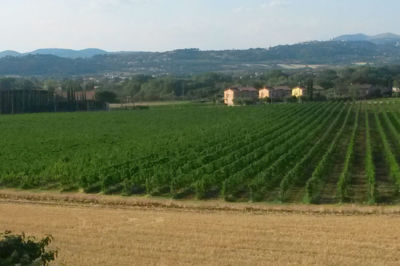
x,y
298,92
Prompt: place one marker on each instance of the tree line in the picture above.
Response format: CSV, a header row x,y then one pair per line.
x,y
327,83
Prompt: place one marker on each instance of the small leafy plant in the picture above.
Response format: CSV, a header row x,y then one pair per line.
x,y
23,250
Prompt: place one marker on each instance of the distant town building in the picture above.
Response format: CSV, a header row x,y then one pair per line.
x,y
231,94
396,90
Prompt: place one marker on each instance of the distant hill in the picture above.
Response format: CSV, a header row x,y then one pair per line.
x,y
9,53
68,53
65,53
352,37
379,39
343,50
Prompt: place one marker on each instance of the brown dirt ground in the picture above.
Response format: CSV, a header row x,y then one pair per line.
x,y
99,230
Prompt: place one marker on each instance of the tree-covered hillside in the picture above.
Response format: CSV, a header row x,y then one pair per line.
x,y
195,61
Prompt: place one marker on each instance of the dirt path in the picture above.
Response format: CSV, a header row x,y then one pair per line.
x,y
90,234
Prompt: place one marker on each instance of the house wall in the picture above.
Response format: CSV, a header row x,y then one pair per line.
x,y
298,92
229,96
263,93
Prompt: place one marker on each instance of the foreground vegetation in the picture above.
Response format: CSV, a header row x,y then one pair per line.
x,y
23,250
313,152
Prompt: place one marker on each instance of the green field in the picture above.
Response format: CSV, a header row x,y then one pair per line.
x,y
311,152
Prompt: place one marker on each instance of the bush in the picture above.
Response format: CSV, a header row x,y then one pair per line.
x,y
106,97
264,100
22,250
245,101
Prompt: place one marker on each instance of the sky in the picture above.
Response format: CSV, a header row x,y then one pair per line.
x,y
161,25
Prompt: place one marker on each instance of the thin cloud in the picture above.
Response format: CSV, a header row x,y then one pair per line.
x,y
242,9
275,3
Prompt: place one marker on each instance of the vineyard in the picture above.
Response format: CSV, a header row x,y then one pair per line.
x,y
320,153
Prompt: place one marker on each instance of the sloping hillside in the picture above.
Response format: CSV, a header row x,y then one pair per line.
x,y
344,50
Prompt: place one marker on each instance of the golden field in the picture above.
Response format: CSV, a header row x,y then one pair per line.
x,y
118,231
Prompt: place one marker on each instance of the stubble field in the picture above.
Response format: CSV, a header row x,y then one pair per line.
x,y
102,234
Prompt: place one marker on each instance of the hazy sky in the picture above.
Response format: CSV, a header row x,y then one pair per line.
x,y
159,25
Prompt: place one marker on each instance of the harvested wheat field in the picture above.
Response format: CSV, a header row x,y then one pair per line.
x,y
117,234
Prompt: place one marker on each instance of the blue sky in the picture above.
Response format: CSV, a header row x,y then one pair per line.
x,y
160,25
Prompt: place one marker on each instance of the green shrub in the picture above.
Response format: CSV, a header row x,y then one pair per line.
x,y
22,250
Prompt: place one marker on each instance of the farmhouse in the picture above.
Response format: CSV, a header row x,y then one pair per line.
x,y
280,92
298,92
264,93
231,94
250,93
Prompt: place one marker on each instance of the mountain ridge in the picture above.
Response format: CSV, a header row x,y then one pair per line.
x,y
60,52
383,38
348,50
